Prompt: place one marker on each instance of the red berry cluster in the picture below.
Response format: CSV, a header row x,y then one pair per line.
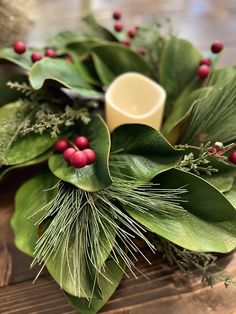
x,y
20,48
131,33
205,64
217,149
77,154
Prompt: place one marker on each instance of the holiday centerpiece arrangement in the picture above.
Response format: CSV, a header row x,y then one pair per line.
x,y
133,133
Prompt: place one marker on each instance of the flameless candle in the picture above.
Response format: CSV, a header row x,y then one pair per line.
x,y
134,98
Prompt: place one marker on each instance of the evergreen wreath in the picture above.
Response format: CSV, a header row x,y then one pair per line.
x,y
97,192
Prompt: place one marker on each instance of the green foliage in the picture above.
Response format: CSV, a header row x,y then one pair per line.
x,y
98,30
22,60
112,59
63,72
188,262
33,199
175,122
13,148
114,273
213,117
197,160
206,225
93,177
178,66
5,170
141,152
231,194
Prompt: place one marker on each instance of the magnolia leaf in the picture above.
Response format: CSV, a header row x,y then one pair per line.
x,y
23,60
62,39
84,44
178,66
141,152
175,122
231,195
207,223
38,160
72,265
223,183
111,60
114,273
93,177
32,196
63,72
98,30
17,149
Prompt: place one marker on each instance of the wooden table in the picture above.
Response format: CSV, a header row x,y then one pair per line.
x,y
166,292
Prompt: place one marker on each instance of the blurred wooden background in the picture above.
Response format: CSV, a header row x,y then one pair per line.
x,y
166,292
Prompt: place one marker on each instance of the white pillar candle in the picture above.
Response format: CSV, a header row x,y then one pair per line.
x,y
134,98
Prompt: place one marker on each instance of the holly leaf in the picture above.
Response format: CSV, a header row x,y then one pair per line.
x,y
111,60
114,273
207,223
33,195
93,177
141,152
178,66
63,72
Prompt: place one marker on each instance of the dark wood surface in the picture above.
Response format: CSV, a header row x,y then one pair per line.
x,y
166,292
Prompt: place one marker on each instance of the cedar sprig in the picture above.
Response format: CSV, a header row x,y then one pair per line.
x,y
189,261
198,164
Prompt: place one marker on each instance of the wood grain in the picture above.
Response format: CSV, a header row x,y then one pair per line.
x,y
166,291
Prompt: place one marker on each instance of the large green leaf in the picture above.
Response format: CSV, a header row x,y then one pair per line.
x,y
32,196
114,273
93,177
38,160
23,60
84,44
208,222
231,194
63,72
111,60
17,149
84,247
178,66
141,152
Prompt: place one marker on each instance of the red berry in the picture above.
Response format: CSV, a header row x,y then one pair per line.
x,y
126,42
36,56
49,52
69,59
116,15
118,26
205,60
61,145
217,46
142,51
91,155
213,150
78,159
81,142
232,157
68,153
132,33
203,71
19,47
